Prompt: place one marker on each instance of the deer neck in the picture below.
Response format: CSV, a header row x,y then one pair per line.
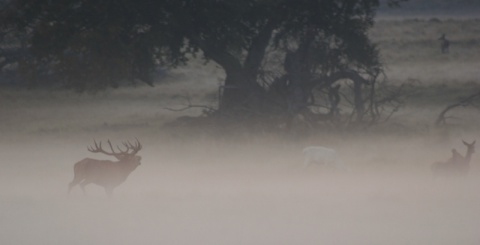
x,y
127,166
468,156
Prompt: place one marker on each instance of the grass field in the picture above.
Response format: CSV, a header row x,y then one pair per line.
x,y
197,189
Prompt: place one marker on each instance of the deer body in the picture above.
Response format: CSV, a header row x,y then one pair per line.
x,y
322,155
457,165
444,44
106,173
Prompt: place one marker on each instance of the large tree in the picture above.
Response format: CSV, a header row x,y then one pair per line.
x,y
92,44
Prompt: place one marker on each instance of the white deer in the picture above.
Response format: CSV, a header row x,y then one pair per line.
x,y
323,155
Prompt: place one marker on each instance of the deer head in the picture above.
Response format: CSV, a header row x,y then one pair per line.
x,y
470,147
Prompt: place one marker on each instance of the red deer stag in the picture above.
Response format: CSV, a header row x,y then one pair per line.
x,y
457,165
108,174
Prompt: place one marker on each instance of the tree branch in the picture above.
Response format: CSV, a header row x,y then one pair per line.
x,y
468,101
208,109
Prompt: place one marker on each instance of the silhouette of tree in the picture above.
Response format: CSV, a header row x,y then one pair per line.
x,y
96,44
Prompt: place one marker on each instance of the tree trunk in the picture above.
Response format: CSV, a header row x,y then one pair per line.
x,y
358,82
358,98
241,92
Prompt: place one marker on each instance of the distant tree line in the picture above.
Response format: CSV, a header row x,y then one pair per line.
x,y
282,58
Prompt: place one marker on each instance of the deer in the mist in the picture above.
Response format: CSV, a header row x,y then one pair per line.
x,y
106,173
444,44
323,155
457,165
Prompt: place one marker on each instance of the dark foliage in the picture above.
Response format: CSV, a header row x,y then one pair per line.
x,y
96,44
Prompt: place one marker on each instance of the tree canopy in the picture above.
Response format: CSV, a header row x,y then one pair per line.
x,y
280,49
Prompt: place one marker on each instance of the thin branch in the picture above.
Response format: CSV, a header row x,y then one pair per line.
x,y
190,106
468,101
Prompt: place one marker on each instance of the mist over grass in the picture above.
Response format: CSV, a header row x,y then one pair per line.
x,y
212,191
459,9
197,188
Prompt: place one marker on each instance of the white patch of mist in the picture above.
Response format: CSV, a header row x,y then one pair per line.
x,y
236,193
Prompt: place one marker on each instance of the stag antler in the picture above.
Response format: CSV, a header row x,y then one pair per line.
x,y
135,148
129,146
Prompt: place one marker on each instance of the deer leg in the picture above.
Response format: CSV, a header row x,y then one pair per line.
x,y
82,185
70,186
74,182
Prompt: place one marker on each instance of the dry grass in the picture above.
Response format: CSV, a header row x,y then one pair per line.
x,y
411,50
253,190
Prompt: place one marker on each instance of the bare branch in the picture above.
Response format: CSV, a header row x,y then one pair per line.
x,y
208,109
468,101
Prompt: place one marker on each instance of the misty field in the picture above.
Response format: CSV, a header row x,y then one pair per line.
x,y
195,188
